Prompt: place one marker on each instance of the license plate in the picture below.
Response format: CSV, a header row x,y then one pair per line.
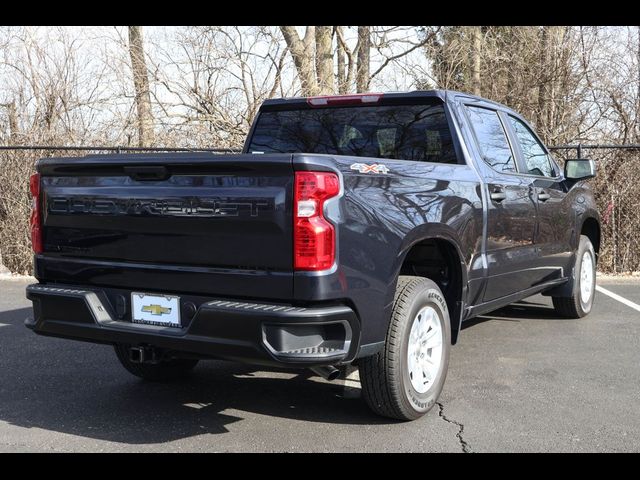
x,y
163,310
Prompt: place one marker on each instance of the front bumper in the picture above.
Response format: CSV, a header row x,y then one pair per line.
x,y
261,333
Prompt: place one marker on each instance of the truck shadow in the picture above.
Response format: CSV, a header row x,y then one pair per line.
x,y
81,389
515,312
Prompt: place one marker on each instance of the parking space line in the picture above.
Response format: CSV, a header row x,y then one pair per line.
x,y
617,297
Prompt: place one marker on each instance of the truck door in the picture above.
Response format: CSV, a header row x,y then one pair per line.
x,y
511,216
555,222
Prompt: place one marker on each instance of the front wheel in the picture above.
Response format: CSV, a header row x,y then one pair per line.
x,y
584,284
405,379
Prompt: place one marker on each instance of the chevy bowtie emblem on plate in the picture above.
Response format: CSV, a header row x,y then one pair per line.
x,y
156,310
366,168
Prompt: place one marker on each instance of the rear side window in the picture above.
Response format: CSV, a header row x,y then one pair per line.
x,y
492,139
403,132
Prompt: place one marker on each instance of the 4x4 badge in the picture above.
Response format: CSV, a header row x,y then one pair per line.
x,y
366,168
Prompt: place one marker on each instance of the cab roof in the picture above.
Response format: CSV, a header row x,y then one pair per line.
x,y
384,98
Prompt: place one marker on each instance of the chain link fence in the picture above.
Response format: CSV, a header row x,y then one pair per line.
x,y
616,186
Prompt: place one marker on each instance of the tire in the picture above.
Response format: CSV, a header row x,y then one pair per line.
x,y
388,387
155,372
580,302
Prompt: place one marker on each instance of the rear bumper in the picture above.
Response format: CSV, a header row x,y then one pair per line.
x,y
261,333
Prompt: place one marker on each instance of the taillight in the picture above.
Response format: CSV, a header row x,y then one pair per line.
x,y
314,237
35,221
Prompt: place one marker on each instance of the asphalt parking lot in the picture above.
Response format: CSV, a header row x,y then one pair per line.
x,y
520,379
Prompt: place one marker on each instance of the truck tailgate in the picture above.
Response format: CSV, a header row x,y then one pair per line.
x,y
192,210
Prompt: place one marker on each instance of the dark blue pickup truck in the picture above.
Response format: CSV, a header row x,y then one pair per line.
x,y
359,229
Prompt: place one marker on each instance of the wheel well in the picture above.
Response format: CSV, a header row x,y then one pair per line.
x,y
438,260
591,228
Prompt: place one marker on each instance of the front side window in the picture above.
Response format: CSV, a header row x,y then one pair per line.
x,y
535,156
403,132
492,139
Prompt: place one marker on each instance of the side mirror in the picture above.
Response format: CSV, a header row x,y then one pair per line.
x,y
580,169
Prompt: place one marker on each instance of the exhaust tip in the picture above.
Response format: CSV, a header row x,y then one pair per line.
x,y
333,375
327,372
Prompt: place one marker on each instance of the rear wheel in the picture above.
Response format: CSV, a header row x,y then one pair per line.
x,y
405,379
157,372
581,300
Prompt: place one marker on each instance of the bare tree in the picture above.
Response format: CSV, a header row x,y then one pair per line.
x,y
355,61
550,59
12,117
303,53
364,50
211,86
324,59
345,51
13,130
476,45
638,81
141,83
341,76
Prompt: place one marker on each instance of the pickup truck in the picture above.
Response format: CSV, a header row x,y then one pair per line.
x,y
352,230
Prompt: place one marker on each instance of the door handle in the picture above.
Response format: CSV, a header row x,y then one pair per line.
x,y
498,194
543,196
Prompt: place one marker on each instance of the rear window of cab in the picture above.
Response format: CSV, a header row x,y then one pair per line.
x,y
402,132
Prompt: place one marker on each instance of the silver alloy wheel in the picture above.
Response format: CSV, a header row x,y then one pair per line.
x,y
586,277
424,354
